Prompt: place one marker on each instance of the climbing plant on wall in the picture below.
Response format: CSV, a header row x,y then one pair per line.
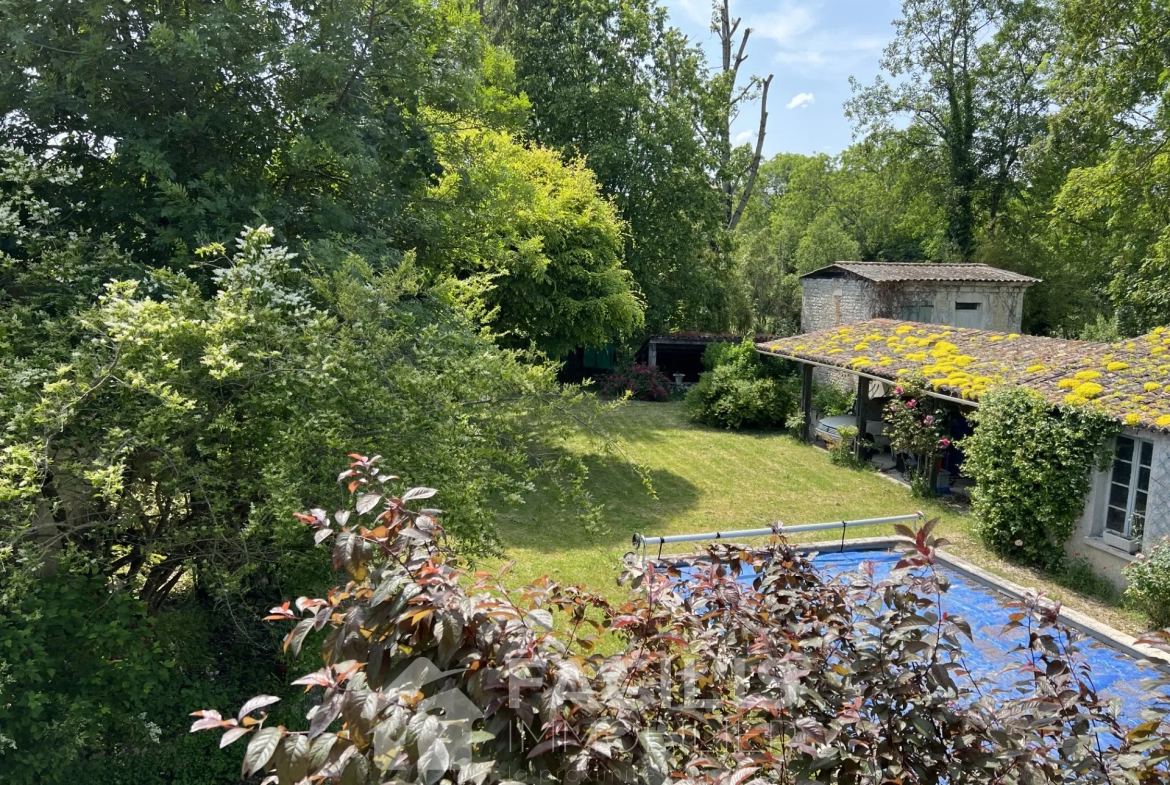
x,y
1031,463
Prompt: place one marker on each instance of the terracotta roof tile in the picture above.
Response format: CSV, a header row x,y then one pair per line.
x,y
1130,379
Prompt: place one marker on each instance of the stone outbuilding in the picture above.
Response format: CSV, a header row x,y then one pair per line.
x,y
959,295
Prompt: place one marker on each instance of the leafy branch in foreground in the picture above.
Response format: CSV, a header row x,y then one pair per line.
x,y
760,668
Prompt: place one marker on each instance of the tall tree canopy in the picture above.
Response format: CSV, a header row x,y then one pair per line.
x,y
190,120
612,82
1111,68
967,76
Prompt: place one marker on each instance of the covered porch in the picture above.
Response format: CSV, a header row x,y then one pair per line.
x,y
872,392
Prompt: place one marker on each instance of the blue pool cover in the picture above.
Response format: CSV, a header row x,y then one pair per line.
x,y
1115,674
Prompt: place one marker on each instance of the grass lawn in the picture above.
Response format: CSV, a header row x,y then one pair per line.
x,y
707,479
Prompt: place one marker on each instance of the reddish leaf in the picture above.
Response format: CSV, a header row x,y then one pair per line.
x,y
296,637
260,749
232,735
259,702
418,493
367,502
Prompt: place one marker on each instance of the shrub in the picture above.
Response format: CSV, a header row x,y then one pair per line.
x,y
741,389
430,674
643,382
1149,583
1030,463
831,401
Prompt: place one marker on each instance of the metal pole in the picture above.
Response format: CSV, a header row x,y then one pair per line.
x,y
806,390
777,528
862,405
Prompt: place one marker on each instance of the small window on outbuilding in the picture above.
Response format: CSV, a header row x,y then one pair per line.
x,y
967,315
918,312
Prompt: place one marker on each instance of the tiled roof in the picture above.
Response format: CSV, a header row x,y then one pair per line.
x,y
694,336
1130,379
881,272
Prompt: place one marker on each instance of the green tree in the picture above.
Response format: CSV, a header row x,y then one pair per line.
x,y
1110,77
189,120
612,82
968,76
535,230
153,434
810,211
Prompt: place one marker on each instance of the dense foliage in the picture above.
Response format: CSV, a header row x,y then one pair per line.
x,y
1032,469
612,81
742,389
641,382
533,227
348,125
431,674
441,196
1029,135
1149,582
158,428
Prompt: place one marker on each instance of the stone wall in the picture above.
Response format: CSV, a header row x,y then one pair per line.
x,y
831,302
1001,306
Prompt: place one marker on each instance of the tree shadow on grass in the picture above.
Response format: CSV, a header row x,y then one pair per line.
x,y
543,523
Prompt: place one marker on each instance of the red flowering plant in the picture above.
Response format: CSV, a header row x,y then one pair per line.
x,y
916,427
433,675
643,382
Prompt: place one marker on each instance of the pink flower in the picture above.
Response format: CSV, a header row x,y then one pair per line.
x,y
910,403
944,443
898,391
928,419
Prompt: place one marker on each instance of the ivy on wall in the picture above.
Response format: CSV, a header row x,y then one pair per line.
x,y
1031,463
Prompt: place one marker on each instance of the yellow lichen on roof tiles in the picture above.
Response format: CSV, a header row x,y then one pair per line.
x,y
1125,382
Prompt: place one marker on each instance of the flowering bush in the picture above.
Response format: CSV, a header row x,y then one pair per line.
x,y
643,382
433,675
1149,583
915,426
1030,463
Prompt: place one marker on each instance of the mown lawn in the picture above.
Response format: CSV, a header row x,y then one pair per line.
x,y
707,479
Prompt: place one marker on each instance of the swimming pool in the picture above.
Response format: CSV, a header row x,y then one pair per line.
x,y
989,656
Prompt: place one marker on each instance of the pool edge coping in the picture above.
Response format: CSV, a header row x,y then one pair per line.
x,y
1070,617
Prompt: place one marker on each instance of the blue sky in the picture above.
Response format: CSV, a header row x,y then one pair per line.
x,y
812,47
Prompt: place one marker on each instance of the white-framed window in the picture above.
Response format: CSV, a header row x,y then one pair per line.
x,y
1129,487
967,315
918,312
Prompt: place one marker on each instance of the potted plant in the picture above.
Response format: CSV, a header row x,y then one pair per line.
x,y
1131,544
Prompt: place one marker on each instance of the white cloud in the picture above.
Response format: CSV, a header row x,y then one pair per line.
x,y
784,26
697,11
744,136
800,101
834,51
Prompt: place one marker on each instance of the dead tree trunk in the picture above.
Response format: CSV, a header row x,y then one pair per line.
x,y
736,181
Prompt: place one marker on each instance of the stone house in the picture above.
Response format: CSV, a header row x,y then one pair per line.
x,y
1128,506
959,295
